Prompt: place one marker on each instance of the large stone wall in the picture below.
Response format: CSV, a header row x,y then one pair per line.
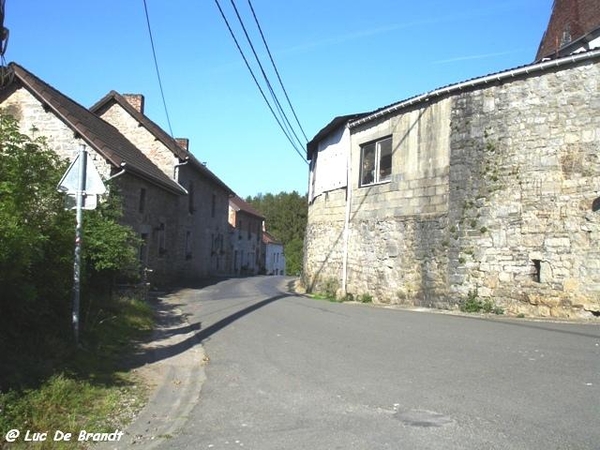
x,y
494,192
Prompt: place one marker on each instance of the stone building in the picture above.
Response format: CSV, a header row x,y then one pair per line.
x,y
489,187
41,110
201,221
245,251
273,254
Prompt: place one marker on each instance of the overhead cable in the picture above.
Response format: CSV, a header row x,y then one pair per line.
x,y
256,81
162,93
282,114
275,68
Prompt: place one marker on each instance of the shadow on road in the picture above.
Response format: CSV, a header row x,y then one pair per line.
x,y
171,323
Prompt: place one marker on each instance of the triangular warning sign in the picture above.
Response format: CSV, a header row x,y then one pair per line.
x,y
93,184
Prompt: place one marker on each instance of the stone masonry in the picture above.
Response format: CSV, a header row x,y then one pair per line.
x,y
494,193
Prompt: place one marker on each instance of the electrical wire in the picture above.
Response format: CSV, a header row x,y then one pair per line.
x,y
256,81
162,93
282,113
275,68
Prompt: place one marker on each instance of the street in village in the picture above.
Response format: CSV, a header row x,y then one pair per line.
x,y
258,367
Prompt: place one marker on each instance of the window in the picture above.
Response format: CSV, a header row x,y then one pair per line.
x,y
213,206
162,247
376,162
142,204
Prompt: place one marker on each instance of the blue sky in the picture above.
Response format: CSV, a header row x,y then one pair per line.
x,y
335,57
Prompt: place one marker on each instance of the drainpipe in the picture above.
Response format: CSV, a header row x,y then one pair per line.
x,y
118,174
176,172
177,166
347,217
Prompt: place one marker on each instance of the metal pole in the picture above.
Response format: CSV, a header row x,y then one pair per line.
x,y
78,235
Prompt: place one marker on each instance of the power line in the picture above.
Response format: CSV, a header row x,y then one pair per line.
x,y
256,81
162,93
275,68
282,113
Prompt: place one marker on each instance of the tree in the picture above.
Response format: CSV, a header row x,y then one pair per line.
x,y
34,229
36,253
286,217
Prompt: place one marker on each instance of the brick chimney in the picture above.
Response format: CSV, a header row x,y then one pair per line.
x,y
184,143
569,21
135,100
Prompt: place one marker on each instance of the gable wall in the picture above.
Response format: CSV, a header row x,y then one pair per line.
x,y
161,156
34,121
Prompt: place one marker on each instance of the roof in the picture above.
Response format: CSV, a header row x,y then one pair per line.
x,y
474,83
160,135
102,137
313,145
240,205
571,21
268,238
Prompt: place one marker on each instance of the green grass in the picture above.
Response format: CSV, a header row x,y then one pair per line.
x,y
88,390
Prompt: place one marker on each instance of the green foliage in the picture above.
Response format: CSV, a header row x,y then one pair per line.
x,y
109,249
286,216
473,304
89,393
36,258
366,298
36,251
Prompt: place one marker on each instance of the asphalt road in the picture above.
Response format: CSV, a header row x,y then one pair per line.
x,y
289,372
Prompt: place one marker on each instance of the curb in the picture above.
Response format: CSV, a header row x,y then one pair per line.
x,y
175,373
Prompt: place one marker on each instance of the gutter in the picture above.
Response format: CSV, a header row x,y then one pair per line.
x,y
501,76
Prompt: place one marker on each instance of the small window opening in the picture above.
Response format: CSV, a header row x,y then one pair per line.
x,y
537,270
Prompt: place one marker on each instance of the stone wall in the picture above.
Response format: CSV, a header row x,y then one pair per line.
x,y
492,194
159,208
35,121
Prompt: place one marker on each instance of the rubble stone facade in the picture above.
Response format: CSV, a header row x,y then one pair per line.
x,y
494,192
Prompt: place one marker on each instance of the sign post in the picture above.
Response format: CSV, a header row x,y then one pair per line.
x,y
80,180
78,235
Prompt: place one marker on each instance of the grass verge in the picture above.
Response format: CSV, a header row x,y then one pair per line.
x,y
90,390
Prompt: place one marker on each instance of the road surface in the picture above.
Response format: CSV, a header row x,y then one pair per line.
x,y
289,372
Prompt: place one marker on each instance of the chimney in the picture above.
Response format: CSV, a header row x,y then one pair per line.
x,y
184,143
135,100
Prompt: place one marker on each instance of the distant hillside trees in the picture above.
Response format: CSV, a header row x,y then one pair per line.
x,y
286,215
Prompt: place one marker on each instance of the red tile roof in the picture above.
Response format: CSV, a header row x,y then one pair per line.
x,y
240,205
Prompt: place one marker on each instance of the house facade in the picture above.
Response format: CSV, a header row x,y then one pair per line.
x,y
201,219
489,187
273,253
245,233
41,110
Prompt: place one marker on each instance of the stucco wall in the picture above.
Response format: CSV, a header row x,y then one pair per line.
x,y
491,189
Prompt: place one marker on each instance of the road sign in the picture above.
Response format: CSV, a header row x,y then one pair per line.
x,y
69,183
88,202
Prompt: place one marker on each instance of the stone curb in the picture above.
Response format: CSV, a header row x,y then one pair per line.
x,y
175,374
